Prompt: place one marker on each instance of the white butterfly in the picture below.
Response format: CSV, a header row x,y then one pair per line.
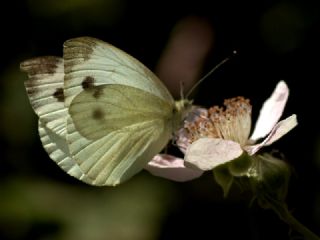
x,y
102,114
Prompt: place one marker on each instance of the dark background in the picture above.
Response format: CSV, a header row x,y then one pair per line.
x,y
274,40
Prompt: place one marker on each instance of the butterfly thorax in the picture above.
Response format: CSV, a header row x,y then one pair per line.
x,y
181,109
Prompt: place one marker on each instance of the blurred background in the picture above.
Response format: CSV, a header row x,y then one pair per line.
x,y
180,41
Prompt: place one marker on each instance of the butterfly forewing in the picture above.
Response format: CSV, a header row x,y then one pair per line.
x,y
45,91
91,62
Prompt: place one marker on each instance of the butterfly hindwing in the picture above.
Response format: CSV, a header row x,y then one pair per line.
x,y
115,130
57,148
106,108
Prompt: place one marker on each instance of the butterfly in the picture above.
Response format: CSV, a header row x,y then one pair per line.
x,y
102,114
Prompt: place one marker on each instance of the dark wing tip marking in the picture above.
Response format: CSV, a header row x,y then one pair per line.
x,y
59,95
41,65
89,41
81,47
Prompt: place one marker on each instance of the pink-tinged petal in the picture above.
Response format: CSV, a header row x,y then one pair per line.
x,y
196,113
271,111
182,140
172,168
208,153
282,128
182,136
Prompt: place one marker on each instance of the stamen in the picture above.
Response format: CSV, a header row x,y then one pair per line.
x,y
233,122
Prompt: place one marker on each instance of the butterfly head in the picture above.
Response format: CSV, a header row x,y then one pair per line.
x,y
180,110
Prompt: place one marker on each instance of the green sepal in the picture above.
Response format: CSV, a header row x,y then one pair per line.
x,y
240,166
272,180
223,178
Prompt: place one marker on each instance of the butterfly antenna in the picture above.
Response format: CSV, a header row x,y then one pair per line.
x,y
181,90
210,72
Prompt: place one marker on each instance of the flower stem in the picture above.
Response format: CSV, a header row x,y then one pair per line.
x,y
282,210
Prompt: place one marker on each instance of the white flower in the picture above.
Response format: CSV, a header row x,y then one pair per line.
x,y
172,168
220,135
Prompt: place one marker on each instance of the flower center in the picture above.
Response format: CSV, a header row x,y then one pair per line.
x,y
231,122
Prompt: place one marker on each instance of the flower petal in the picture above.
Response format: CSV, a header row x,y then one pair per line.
x,y
208,153
271,111
182,140
195,113
172,168
182,136
282,128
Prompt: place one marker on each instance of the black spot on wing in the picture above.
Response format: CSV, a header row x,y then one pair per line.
x,y
58,94
87,83
97,92
97,114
